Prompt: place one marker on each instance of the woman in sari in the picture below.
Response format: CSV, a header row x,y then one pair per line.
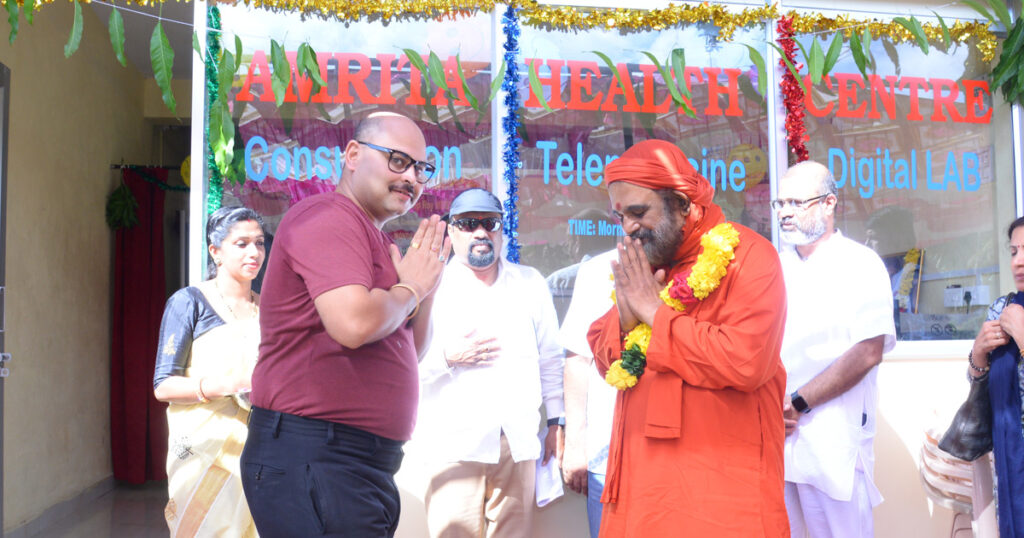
x,y
209,340
997,355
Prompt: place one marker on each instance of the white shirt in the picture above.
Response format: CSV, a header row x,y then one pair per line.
x,y
591,298
464,410
837,297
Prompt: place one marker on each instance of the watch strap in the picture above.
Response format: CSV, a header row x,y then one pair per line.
x,y
799,403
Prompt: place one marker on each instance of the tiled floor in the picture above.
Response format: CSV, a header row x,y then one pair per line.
x,y
124,512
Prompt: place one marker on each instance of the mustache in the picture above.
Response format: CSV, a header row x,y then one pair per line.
x,y
643,235
481,242
405,187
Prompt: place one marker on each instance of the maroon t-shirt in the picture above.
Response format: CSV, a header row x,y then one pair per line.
x,y
326,242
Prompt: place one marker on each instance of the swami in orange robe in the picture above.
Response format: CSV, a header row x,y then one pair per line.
x,y
697,444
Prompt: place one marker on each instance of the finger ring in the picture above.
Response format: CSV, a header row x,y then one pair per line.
x,y
415,245
434,249
440,258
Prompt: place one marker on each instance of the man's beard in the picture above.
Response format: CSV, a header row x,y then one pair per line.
x,y
804,235
661,243
480,260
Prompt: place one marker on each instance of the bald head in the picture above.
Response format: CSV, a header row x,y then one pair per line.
x,y
373,126
381,166
814,171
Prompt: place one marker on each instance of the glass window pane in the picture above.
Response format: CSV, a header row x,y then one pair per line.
x,y
921,153
564,211
296,150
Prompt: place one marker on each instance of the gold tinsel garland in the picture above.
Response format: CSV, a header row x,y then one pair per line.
x,y
632,20
959,32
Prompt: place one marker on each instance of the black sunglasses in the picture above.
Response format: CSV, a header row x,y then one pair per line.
x,y
490,224
399,162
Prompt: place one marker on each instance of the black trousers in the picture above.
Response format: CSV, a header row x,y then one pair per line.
x,y
307,477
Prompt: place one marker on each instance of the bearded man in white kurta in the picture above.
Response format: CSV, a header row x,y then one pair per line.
x,y
493,361
840,322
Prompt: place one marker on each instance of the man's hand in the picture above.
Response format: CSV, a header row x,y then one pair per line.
x,y
790,416
574,466
471,351
553,444
635,285
423,263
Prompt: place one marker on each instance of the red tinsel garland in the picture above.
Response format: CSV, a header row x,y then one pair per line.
x,y
792,94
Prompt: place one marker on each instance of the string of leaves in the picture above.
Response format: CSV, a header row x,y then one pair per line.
x,y
434,79
1007,75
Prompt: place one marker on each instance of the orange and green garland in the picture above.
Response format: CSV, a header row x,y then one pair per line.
x,y
686,289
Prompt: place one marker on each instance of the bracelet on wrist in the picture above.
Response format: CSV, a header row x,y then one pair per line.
x,y
199,392
415,295
975,367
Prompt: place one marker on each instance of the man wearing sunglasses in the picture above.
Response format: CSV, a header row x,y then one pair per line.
x,y
831,349
493,361
344,318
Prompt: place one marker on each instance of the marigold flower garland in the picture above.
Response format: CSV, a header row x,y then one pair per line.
x,y
686,289
910,261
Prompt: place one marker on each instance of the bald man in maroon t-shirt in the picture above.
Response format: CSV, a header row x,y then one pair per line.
x,y
344,318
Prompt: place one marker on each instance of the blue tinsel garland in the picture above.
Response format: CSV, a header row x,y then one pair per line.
x,y
510,127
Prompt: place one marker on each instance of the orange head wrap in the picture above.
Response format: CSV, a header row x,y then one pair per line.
x,y
657,164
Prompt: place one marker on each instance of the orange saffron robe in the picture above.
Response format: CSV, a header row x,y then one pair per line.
x,y
697,444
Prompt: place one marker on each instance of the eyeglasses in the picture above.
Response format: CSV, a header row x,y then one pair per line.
x,y
399,162
490,224
802,204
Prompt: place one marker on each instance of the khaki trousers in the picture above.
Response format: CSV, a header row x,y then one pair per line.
x,y
482,500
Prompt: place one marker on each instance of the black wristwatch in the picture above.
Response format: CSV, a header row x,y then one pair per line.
x,y
560,421
799,403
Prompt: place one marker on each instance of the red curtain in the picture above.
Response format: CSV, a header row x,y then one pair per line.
x,y
138,422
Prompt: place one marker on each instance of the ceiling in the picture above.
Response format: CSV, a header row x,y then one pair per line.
x,y
139,22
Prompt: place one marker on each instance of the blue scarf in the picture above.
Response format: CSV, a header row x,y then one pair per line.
x,y
1007,435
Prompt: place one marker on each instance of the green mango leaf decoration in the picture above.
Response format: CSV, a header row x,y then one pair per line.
x,y
615,70
865,41
832,56
857,51
496,83
13,17
465,85
282,76
762,77
976,6
816,62
1007,68
679,67
914,27
535,86
1002,12
161,56
946,39
76,32
29,9
121,210
436,71
789,65
238,50
195,44
116,27
666,75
